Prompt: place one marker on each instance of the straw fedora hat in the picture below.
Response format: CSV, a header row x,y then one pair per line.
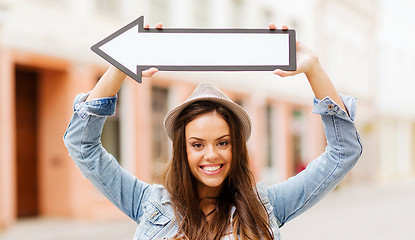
x,y
208,92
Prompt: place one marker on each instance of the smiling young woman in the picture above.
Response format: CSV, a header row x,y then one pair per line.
x,y
209,191
209,174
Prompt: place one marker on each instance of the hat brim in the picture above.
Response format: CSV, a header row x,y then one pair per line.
x,y
239,112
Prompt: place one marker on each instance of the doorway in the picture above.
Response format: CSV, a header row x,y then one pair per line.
x,y
26,88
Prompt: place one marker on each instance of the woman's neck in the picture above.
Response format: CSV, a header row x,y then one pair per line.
x,y
208,207
204,191
208,199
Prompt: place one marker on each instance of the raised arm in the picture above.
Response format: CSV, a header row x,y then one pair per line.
x,y
308,63
299,193
83,141
110,83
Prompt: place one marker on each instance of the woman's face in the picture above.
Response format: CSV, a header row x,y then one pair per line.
x,y
209,152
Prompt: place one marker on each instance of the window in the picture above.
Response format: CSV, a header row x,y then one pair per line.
x,y
268,16
110,7
60,3
274,168
110,137
201,13
159,103
237,8
413,147
297,135
269,137
159,11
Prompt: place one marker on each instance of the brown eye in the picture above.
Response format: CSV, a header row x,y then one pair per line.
x,y
197,145
223,144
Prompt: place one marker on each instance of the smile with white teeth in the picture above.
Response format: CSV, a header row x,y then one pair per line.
x,y
211,168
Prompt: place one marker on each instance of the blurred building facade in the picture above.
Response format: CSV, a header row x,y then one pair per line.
x,y
45,61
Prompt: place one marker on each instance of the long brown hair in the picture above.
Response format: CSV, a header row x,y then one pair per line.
x,y
249,220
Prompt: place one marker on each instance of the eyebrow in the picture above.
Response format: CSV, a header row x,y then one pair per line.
x,y
201,139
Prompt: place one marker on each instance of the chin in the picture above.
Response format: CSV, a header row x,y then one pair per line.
x,y
214,184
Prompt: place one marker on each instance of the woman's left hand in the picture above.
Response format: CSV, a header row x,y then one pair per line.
x,y
308,63
306,58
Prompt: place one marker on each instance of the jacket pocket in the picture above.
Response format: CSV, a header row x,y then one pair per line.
x,y
153,221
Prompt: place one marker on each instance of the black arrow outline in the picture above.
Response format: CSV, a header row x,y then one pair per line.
x,y
140,22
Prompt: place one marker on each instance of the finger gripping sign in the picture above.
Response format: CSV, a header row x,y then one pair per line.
x,y
133,49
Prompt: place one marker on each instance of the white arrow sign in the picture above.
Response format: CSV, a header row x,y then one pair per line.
x,y
133,49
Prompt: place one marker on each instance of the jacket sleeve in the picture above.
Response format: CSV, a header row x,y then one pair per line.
x,y
83,141
322,175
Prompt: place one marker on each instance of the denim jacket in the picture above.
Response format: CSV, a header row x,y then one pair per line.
x,y
149,204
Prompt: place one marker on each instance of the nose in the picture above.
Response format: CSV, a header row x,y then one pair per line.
x,y
211,153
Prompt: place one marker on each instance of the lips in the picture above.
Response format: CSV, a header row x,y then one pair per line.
x,y
212,169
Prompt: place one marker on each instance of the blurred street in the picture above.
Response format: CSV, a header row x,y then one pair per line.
x,y
61,229
365,211
360,212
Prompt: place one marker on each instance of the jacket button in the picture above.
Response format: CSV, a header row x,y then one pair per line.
x,y
330,106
